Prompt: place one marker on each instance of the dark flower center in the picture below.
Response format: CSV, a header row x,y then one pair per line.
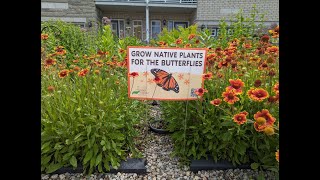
x,y
230,96
200,90
236,85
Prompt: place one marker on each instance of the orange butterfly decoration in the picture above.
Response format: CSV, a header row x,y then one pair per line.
x,y
167,81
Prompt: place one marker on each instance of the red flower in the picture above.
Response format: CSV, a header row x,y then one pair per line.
x,y
121,50
179,41
50,88
236,85
272,49
258,94
200,91
133,74
187,45
276,88
240,118
83,72
210,57
277,155
265,38
257,83
263,114
207,76
63,73
191,36
76,68
49,62
216,102
230,97
44,36
60,50
197,41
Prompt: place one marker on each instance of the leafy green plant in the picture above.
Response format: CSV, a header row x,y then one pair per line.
x,y
244,85
86,116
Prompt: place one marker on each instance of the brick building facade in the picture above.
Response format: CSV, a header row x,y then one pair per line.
x,y
129,16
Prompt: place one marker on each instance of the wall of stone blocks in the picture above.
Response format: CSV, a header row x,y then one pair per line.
x,y
211,11
69,10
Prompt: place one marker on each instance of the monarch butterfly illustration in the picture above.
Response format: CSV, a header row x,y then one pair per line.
x,y
167,81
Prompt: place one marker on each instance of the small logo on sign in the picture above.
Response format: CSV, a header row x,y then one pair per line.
x,y
193,94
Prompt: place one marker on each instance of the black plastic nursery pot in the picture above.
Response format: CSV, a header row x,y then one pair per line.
x,y
210,164
131,165
155,129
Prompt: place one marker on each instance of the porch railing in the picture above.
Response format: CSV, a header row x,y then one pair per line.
x,y
154,1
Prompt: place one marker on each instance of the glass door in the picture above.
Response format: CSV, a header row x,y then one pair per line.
x,y
137,29
117,27
155,28
114,27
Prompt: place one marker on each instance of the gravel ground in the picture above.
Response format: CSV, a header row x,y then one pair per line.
x,y
161,167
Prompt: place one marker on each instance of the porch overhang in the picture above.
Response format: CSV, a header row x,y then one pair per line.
x,y
152,3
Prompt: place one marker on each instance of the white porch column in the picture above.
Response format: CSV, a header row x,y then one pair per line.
x,y
147,21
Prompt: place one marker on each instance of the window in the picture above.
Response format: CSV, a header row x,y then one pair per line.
x,y
155,28
176,24
170,25
80,24
182,24
230,31
214,32
137,28
117,27
218,30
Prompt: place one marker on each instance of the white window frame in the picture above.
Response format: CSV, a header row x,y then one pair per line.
x,y
133,33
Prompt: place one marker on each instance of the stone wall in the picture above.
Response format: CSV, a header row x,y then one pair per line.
x,y
211,11
80,11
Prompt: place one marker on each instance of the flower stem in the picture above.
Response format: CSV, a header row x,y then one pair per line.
x,y
132,85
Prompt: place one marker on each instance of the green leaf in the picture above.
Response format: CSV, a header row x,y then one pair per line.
x,y
99,158
114,145
88,156
102,142
227,123
92,162
73,161
255,165
106,165
100,167
67,156
95,149
88,130
53,167
45,159
45,145
108,145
